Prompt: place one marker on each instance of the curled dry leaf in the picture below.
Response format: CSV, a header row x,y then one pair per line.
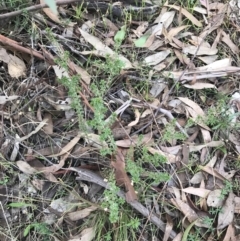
x,y
225,217
48,128
39,127
16,67
155,103
74,216
215,198
137,115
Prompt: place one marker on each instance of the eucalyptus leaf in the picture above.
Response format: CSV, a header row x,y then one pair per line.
x,y
120,35
141,41
52,5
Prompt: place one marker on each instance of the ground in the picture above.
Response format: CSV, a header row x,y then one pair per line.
x,y
119,120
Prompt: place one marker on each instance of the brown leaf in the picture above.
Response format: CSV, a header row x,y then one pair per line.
x,y
16,67
226,39
48,128
82,72
199,50
26,168
200,86
74,216
215,198
201,192
121,175
185,209
87,234
186,14
225,217
212,171
55,167
230,234
137,115
68,147
134,140
50,13
169,228
170,157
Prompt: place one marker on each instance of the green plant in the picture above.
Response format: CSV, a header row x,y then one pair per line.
x,y
137,170
41,228
228,187
123,229
219,117
112,201
170,132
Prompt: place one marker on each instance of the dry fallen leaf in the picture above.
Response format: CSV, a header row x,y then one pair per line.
x,y
26,168
157,58
225,217
226,39
16,67
230,234
74,216
137,115
53,16
186,14
4,56
200,50
201,192
87,234
103,49
215,198
4,99
121,175
200,86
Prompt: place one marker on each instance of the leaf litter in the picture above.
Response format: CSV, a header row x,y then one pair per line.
x,y
144,109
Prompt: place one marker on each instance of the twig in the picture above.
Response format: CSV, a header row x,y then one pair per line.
x,y
35,8
16,46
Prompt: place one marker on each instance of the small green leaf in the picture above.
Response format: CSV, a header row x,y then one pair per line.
x,y
27,230
141,41
20,205
185,235
52,5
120,35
